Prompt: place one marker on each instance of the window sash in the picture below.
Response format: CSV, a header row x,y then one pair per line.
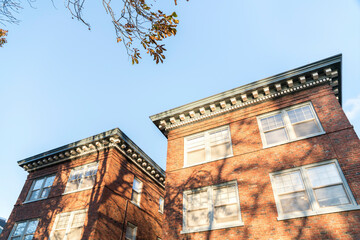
x,y
161,204
82,178
310,192
203,150
67,231
136,191
24,233
40,190
131,231
289,127
211,207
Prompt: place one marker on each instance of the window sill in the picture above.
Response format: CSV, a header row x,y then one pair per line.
x,y
238,224
197,164
136,204
318,212
30,201
79,190
298,139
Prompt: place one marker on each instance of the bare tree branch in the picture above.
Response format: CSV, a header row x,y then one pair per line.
x,y
135,24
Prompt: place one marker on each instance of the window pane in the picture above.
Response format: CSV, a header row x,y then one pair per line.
x,y
197,218
306,128
38,184
130,232
49,181
75,234
276,136
137,185
161,204
32,227
225,195
88,182
324,175
45,193
16,238
227,213
73,185
220,151
35,195
331,196
63,221
19,229
195,157
219,136
59,234
197,200
300,114
294,202
78,220
272,122
289,182
196,142
135,197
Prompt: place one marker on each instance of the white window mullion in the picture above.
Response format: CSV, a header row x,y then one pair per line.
x,y
310,193
288,127
211,207
68,227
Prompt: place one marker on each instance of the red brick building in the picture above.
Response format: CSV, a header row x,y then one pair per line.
x,y
273,159
101,187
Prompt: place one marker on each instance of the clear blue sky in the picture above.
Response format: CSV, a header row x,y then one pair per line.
x,y
60,82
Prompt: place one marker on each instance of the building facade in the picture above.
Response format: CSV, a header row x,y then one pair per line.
x,y
274,159
101,187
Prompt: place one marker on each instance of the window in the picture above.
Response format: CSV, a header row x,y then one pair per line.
x,y
69,226
161,205
24,230
207,146
40,188
82,178
136,191
311,189
130,231
289,124
211,207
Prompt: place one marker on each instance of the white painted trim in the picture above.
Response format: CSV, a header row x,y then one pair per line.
x,y
41,188
207,145
288,126
212,226
315,208
25,229
68,226
85,167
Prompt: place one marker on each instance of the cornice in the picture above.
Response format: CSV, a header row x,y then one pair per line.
x,y
325,71
106,140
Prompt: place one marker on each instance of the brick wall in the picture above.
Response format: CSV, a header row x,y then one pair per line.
x,y
250,167
106,202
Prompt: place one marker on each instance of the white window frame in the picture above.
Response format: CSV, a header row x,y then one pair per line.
x,y
315,209
25,229
69,223
288,126
207,145
85,167
211,207
129,224
141,188
41,188
161,205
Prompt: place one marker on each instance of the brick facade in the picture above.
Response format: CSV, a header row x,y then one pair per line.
x,y
108,203
250,167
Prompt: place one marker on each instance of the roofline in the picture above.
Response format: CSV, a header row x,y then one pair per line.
x,y
72,150
266,81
